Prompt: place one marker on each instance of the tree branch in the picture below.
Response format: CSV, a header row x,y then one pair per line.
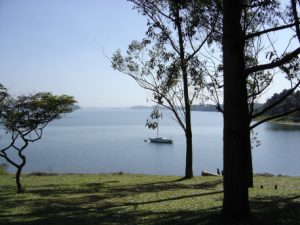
x,y
296,18
274,64
277,102
200,46
10,161
274,117
260,91
273,29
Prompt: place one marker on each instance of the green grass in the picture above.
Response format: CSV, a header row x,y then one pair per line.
x,y
139,199
2,169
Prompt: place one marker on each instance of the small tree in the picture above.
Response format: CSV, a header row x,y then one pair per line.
x,y
25,118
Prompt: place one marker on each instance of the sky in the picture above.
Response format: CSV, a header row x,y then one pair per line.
x,y
56,46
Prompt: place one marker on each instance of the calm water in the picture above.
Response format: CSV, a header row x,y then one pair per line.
x,y
105,141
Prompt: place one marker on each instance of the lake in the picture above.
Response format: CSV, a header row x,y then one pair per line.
x,y
112,140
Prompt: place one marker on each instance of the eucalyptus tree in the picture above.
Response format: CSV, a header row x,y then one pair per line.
x,y
24,120
245,22
167,61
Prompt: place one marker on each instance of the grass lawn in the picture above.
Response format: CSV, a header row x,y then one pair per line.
x,y
139,199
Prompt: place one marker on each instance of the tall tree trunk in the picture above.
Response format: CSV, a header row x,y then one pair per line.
x,y
236,127
250,165
188,129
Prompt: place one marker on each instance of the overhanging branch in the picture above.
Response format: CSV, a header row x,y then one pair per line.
x,y
273,29
274,64
274,117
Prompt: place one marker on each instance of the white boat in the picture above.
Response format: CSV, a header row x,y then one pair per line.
x,y
161,140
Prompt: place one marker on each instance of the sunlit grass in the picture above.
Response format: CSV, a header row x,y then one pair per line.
x,y
139,199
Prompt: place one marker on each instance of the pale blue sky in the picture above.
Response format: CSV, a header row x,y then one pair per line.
x,y
55,45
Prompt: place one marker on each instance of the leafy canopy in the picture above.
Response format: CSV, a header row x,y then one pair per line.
x,y
35,111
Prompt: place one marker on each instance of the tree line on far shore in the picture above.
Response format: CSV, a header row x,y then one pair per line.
x,y
288,109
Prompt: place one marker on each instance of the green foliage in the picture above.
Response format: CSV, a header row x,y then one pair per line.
x,y
35,111
152,122
289,103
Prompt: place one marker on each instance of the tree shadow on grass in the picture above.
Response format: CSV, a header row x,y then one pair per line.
x,y
269,210
165,186
58,190
64,213
98,203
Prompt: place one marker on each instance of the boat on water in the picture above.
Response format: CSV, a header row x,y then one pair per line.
x,y
158,139
161,140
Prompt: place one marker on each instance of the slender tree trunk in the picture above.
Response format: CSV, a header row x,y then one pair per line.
x,y
189,156
236,127
19,170
18,181
188,130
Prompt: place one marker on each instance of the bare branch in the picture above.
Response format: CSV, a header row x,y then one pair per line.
x,y
273,29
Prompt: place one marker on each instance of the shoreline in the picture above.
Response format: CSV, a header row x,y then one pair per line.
x,y
288,123
120,173
279,121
